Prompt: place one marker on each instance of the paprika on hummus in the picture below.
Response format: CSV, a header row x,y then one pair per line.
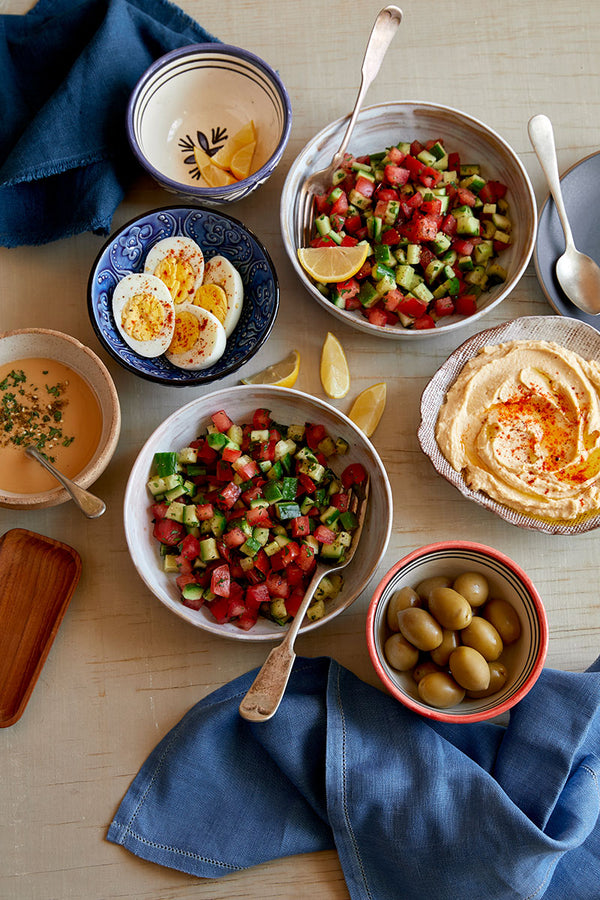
x,y
522,423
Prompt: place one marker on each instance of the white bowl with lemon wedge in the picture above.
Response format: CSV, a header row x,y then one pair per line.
x,y
379,128
209,122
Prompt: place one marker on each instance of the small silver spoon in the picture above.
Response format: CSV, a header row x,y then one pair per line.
x,y
578,275
90,506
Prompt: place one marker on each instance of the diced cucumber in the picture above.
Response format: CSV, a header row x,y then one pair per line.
x,y
192,591
165,463
175,512
187,456
316,611
156,486
208,549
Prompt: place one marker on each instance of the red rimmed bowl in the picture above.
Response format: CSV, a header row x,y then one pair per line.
x,y
524,658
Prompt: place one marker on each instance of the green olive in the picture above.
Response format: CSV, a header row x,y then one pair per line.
x,y
504,618
400,653
440,690
498,677
473,586
424,588
424,668
450,642
450,608
420,628
482,636
402,599
470,669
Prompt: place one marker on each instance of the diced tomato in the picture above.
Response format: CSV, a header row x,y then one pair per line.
x,y
322,204
340,206
326,241
228,495
223,471
221,420
159,510
294,575
277,585
247,620
466,197
236,607
261,419
184,565
396,175
348,289
306,483
392,299
414,165
391,237
426,257
349,241
365,187
352,303
259,516
182,580
422,228
443,306
432,207
257,594
462,246
190,547
220,581
377,317
353,223
416,147
340,500
454,162
396,156
324,534
355,473
313,435
289,552
230,454
169,532
429,177
386,193
466,304
423,322
247,470
219,607
292,603
300,526
306,559
206,454
412,306
449,225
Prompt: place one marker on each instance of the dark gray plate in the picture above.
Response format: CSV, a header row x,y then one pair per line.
x,y
581,191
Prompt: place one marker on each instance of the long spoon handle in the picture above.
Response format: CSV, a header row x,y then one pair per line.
x,y
90,506
541,136
385,27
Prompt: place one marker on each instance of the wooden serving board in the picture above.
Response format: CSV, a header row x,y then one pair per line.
x,y
37,578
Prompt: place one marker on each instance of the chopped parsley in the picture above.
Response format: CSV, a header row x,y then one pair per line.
x,y
32,415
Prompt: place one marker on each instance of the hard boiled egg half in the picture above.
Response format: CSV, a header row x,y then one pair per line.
x,y
144,313
220,272
198,338
179,263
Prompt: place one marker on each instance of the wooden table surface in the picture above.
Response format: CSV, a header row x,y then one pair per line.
x,y
123,669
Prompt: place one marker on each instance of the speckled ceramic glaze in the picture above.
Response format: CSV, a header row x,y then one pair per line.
x,y
570,333
217,234
524,659
45,344
287,406
198,96
386,124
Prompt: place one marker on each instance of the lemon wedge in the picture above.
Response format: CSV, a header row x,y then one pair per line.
x,y
281,374
332,264
335,374
246,135
368,407
202,158
216,177
242,161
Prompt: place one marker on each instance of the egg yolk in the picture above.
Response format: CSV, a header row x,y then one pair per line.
x,y
187,331
178,275
213,298
143,317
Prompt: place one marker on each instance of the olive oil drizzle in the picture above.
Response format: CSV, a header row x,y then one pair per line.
x,y
32,415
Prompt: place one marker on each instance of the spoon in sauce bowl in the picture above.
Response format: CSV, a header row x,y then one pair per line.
x,y
90,506
578,274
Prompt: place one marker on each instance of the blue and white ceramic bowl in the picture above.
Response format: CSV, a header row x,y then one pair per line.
x,y
217,234
196,97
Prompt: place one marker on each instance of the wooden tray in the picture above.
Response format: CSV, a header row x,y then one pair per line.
x,y
37,578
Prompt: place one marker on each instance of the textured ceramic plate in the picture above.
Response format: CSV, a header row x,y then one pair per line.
x,y
37,578
217,234
581,191
240,402
383,125
570,333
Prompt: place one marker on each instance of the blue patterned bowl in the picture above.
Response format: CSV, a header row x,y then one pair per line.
x,y
216,233
190,101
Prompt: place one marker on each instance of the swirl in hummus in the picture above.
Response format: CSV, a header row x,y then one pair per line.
x,y
522,423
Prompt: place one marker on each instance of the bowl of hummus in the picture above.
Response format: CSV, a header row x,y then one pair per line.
x,y
512,420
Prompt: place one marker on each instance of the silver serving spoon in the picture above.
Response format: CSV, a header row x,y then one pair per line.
x,y
578,275
90,506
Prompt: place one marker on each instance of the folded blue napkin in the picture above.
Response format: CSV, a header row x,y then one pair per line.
x,y
415,809
67,70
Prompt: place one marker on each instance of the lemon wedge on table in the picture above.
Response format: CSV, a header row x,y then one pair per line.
x,y
368,408
332,264
335,374
281,374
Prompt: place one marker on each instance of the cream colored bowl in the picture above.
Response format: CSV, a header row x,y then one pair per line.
x,y
43,343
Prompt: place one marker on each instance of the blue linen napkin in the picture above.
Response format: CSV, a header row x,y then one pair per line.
x,y
67,69
415,809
